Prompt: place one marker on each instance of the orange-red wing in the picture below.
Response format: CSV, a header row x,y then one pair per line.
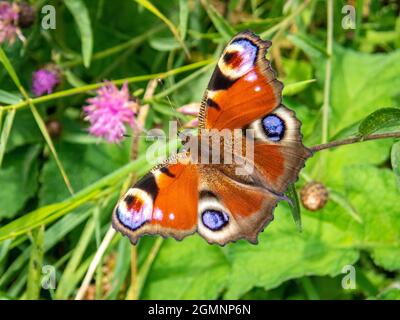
x,y
279,153
230,210
243,87
163,202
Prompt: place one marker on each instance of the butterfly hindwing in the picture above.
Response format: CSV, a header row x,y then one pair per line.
x,y
230,209
279,153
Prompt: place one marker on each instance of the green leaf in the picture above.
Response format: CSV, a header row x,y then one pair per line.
x,y
360,83
20,174
382,118
345,204
82,19
24,131
294,205
73,80
9,98
391,293
164,44
295,88
283,253
380,232
308,45
199,276
395,158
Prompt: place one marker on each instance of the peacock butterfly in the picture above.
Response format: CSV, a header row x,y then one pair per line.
x,y
182,196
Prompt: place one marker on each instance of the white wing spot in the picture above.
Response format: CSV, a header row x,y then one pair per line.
x,y
158,215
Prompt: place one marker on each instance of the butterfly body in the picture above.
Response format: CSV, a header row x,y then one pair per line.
x,y
228,180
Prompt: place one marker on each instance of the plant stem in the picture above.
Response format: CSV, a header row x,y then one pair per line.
x,y
89,87
113,50
328,71
93,265
337,143
285,22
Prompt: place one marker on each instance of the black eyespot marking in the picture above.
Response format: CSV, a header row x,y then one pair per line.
x,y
219,81
166,171
207,194
228,57
274,127
129,199
214,220
148,184
212,104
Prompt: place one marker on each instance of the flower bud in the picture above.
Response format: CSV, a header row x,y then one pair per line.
x,y
54,128
27,15
314,196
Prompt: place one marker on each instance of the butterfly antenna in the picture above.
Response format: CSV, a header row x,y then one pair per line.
x,y
171,105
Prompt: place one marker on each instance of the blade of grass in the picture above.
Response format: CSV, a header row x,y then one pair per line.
x,y
121,268
180,84
99,271
183,17
6,62
5,133
145,269
53,235
64,288
223,27
90,87
149,6
81,16
35,264
43,129
9,98
294,205
94,263
285,22
51,212
134,42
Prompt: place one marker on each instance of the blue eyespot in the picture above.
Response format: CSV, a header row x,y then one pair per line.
x,y
133,220
274,127
249,49
214,220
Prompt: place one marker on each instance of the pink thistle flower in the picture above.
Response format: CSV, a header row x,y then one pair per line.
x,y
109,111
44,81
9,15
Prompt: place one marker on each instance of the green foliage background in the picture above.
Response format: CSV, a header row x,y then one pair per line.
x,y
41,223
